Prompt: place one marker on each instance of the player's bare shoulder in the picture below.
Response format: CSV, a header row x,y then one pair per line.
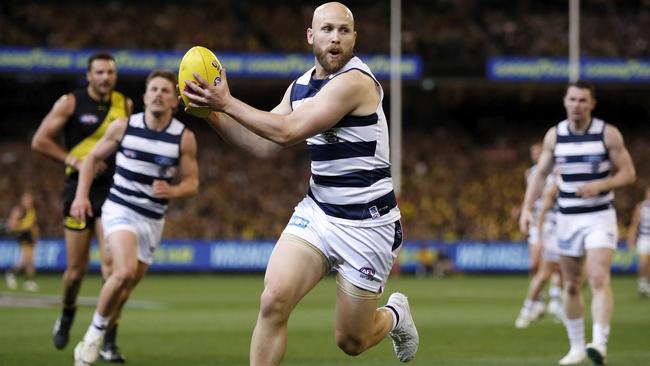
x,y
358,86
612,136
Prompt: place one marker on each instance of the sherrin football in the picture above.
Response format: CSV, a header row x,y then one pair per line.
x,y
202,61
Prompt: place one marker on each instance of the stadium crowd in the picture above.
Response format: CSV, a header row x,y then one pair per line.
x,y
454,37
450,191
457,183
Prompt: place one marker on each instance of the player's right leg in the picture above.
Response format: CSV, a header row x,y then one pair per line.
x,y
77,243
294,268
532,309
644,274
571,268
127,271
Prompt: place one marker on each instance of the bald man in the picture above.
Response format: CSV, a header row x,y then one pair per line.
x,y
349,221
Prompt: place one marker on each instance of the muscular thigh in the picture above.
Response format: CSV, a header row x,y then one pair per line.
x,y
294,268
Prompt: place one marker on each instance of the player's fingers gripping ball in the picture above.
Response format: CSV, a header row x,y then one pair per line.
x,y
202,61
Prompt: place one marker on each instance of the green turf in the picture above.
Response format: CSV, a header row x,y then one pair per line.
x,y
207,320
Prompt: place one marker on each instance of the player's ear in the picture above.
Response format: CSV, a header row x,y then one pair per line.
x,y
310,36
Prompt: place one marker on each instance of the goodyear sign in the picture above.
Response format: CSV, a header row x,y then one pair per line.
x,y
557,69
140,62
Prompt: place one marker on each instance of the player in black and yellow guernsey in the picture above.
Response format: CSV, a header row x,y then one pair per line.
x,y
83,117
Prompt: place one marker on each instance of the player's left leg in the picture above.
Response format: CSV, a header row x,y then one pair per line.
x,y
361,325
27,263
644,274
598,266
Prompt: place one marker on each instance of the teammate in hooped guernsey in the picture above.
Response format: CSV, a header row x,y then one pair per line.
x,y
592,160
349,220
152,147
639,237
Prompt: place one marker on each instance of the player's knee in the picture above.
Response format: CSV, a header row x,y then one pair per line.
x,y
125,276
572,288
274,303
598,281
352,345
75,274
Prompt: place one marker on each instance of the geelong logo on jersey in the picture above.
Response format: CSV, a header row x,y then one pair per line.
x,y
143,157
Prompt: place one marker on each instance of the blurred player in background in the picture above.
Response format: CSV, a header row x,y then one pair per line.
x,y
153,148
638,236
592,161
22,224
349,222
82,117
549,267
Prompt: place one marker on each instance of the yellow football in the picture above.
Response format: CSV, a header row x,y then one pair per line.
x,y
202,61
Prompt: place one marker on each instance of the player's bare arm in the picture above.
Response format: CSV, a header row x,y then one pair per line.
x,y
536,183
188,171
349,93
622,166
633,230
106,146
44,140
242,137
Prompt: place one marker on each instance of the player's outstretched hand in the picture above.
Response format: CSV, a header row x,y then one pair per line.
x,y
81,208
525,219
203,94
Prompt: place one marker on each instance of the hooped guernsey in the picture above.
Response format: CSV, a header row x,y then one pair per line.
x,y
350,166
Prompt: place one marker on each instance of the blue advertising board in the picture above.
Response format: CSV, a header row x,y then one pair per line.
x,y
252,256
141,62
539,69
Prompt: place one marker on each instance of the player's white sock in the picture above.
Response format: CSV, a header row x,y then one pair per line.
x,y
575,329
600,333
528,303
396,312
643,283
554,292
98,326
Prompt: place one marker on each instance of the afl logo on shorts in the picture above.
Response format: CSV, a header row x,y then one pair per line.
x,y
367,273
88,119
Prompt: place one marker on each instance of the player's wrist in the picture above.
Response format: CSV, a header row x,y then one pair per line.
x,y
71,161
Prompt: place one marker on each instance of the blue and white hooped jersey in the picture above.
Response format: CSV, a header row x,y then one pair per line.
x,y
350,166
644,222
143,156
582,159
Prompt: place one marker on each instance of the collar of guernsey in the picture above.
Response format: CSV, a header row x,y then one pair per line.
x,y
116,110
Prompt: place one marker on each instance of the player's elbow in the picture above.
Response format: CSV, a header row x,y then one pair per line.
x,y
38,143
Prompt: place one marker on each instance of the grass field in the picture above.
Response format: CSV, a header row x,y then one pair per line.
x,y
207,320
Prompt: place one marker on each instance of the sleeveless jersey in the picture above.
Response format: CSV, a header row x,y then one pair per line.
x,y
582,159
143,156
27,220
644,222
350,168
88,124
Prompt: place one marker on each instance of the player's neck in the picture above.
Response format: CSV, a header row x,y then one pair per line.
x,y
580,126
97,97
157,121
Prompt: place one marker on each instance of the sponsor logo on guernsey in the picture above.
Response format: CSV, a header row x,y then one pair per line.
x,y
367,273
298,221
88,119
130,153
374,212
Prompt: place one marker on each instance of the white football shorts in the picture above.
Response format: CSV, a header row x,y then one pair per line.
x,y
363,256
148,231
643,245
578,232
